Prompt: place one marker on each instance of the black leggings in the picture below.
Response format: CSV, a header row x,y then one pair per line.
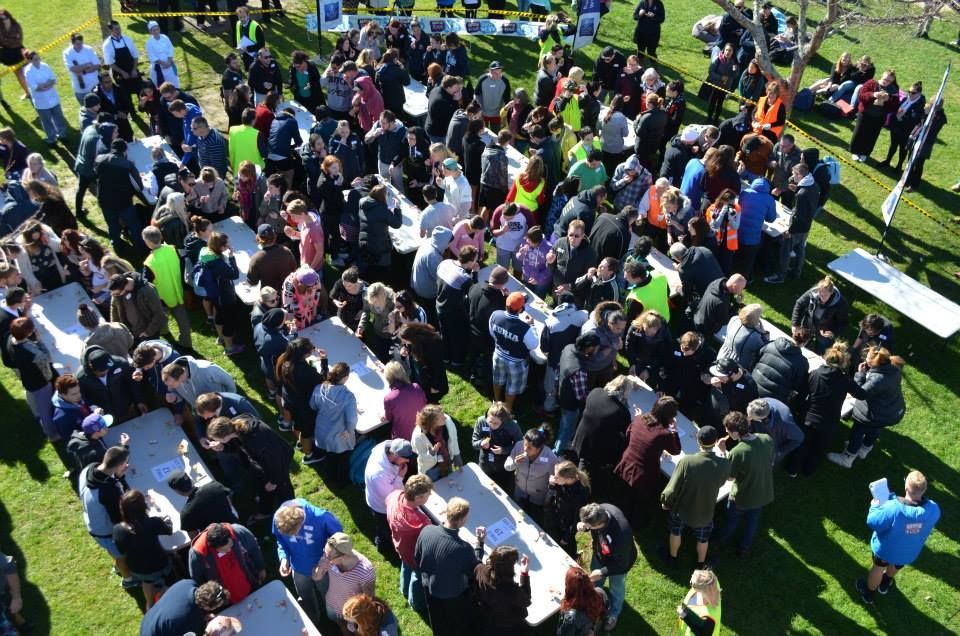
x,y
83,184
227,317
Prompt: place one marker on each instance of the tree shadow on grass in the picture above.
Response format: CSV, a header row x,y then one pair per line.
x,y
35,608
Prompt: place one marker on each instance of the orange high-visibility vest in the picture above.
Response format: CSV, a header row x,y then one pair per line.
x,y
731,240
768,116
655,217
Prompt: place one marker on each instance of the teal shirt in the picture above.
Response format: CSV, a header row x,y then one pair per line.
x,y
589,177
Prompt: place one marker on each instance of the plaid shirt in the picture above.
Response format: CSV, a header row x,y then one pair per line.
x,y
578,381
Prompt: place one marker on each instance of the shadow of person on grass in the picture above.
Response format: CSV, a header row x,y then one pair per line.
x,y
22,443
35,608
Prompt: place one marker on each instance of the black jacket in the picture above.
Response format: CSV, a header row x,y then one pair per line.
x,y
545,88
805,203
171,126
827,389
390,79
85,450
440,109
734,395
650,129
716,307
571,264
681,375
259,75
698,268
610,236
584,207
613,544
375,221
809,312
648,27
482,301
266,454
296,394
119,173
119,395
601,436
206,504
648,354
675,160
561,511
608,73
782,370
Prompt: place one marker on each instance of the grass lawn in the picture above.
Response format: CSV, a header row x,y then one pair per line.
x,y
799,578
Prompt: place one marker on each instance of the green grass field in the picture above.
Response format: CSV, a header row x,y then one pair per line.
x,y
799,579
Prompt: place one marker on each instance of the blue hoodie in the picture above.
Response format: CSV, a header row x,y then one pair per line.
x,y
423,276
756,206
67,416
305,549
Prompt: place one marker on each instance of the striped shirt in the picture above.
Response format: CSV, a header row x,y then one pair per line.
x,y
212,151
360,579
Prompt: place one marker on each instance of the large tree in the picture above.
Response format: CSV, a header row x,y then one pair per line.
x,y
808,44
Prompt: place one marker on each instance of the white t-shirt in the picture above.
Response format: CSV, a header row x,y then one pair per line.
x,y
457,192
86,55
516,231
37,75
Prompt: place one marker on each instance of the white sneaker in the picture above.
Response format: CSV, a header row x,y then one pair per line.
x,y
855,157
842,459
864,451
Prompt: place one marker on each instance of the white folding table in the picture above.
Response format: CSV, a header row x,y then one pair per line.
x,y
243,244
55,316
366,379
272,610
907,295
506,524
416,99
140,153
158,447
305,119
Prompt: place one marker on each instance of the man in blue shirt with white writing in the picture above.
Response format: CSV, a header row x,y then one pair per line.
x,y
900,527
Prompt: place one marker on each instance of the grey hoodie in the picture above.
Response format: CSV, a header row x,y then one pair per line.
x,y
423,276
205,377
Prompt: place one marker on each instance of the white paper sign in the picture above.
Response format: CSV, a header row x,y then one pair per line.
x,y
880,490
162,471
500,531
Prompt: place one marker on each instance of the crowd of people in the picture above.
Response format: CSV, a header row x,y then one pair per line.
x,y
581,225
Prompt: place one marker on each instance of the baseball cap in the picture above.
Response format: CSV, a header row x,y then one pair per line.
x,y
341,542
707,436
499,275
689,135
494,65
266,231
401,447
724,367
100,361
93,423
516,301
179,481
152,24
306,276
451,164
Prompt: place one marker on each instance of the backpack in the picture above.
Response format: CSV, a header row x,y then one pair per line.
x,y
833,169
358,459
804,100
204,282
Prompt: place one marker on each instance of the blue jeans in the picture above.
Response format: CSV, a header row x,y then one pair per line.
x,y
617,591
411,588
53,122
751,521
568,426
130,219
862,435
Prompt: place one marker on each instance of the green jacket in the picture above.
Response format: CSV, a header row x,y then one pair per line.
x,y
694,485
164,264
243,147
654,295
751,466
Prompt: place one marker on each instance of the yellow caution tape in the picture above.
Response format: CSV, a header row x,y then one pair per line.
x,y
49,45
822,144
189,14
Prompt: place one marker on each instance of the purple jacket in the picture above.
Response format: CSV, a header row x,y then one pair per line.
x,y
533,261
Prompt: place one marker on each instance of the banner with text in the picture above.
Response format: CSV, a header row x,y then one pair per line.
x,y
460,26
889,207
588,23
330,12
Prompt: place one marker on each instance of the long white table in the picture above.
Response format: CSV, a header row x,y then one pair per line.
x,y
535,308
243,244
416,99
406,238
907,295
516,161
55,315
781,224
644,399
272,610
506,524
366,379
662,263
157,448
140,153
305,119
